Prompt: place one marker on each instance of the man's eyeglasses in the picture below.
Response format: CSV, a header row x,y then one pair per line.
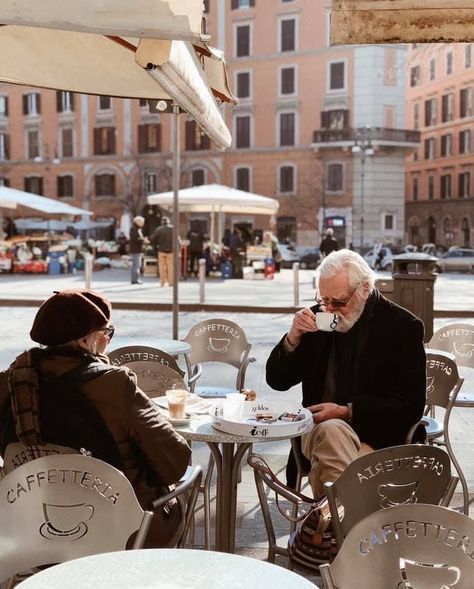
x,y
109,331
335,303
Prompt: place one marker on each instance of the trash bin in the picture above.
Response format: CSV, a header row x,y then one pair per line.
x,y
56,259
413,286
385,286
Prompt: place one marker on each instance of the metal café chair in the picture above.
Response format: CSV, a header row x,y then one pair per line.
x,y
402,547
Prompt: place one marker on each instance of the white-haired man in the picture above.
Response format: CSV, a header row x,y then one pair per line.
x,y
136,243
365,381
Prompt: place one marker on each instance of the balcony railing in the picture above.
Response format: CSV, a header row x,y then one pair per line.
x,y
373,134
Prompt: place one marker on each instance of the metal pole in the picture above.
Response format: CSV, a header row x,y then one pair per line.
x,y
202,279
296,284
362,174
176,172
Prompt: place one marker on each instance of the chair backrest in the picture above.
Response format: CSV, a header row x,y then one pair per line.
x,y
65,506
17,453
398,475
442,380
217,340
156,371
422,546
458,339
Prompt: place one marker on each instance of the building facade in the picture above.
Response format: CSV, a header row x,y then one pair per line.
x,y
440,203
320,128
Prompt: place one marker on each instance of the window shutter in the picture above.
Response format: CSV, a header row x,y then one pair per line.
x,y
190,136
158,137
324,119
205,142
234,4
59,101
141,138
97,134
6,106
72,98
7,146
252,2
38,104
25,104
40,186
111,140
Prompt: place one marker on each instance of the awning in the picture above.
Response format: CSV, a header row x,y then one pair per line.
x,y
219,199
15,198
153,19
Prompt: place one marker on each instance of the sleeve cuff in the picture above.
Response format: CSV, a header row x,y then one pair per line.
x,y
287,347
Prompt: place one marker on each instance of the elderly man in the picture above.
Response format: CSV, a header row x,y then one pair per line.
x,y
363,379
136,243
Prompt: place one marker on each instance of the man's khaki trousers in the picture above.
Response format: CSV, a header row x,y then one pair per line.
x,y
165,268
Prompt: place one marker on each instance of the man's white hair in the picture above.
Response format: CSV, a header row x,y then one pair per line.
x,y
357,269
139,219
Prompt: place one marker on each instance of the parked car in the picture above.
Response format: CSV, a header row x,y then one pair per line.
x,y
289,255
458,259
310,257
386,261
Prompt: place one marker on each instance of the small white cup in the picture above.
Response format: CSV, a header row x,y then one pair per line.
x,y
233,406
326,321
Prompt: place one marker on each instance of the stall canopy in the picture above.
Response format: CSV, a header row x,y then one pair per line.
x,y
215,198
10,198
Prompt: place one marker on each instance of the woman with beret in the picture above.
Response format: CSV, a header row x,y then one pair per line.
x,y
65,392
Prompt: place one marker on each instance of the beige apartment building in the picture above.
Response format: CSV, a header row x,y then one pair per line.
x,y
439,207
322,129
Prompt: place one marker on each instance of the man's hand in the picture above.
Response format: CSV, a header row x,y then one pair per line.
x,y
325,411
303,321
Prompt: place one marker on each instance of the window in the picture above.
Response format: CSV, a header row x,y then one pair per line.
x,y
32,103
195,139
3,106
334,119
416,116
415,189
286,229
242,131
447,107
449,63
431,187
149,138
335,177
67,142
105,185
465,102
34,185
389,114
64,101
287,80
467,55
65,186
465,141
388,222
390,67
415,76
446,145
286,181
287,34
151,182
104,140
242,34
430,148
33,144
4,181
198,177
337,75
105,103
243,84
206,6
464,185
241,4
432,69
4,147
242,179
445,186
430,112
287,129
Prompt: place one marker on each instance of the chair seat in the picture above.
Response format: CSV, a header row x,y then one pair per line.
x,y
214,392
434,428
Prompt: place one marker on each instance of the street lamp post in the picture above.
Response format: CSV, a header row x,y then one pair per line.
x,y
362,145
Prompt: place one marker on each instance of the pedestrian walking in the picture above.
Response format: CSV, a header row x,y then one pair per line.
x,y
136,243
328,243
162,238
196,242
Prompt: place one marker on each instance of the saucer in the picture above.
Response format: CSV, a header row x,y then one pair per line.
x,y
181,421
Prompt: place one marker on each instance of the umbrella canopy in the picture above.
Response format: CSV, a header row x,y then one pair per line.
x,y
13,198
217,198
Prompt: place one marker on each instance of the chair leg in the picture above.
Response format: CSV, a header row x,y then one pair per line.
x,y
465,488
207,502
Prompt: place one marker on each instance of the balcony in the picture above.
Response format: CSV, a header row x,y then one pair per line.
x,y
377,135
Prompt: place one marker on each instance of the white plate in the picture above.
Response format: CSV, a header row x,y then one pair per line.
x,y
182,421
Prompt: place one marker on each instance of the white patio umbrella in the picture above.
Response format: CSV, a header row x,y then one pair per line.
x,y
135,62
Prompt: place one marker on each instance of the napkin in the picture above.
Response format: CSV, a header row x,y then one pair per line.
x,y
195,405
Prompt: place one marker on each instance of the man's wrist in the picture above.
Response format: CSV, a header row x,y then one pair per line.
x,y
288,346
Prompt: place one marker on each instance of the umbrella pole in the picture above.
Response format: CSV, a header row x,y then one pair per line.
x,y
176,252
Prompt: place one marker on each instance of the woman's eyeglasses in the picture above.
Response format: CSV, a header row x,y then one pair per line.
x,y
109,331
335,303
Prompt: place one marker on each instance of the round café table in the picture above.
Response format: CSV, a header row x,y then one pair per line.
x,y
166,569
227,450
173,347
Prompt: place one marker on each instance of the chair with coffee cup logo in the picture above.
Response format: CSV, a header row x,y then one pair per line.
x,y
65,506
414,545
17,453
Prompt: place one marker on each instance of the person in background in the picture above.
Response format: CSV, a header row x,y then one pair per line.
x,y
364,379
107,415
162,238
328,243
270,240
237,252
122,243
196,241
136,243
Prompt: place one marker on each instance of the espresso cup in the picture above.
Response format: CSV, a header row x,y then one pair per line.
x,y
326,321
176,403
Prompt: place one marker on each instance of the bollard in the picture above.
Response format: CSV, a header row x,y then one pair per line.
x,y
296,284
202,279
88,259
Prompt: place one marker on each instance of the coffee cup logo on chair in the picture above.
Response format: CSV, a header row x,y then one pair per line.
x,y
66,521
219,345
427,575
393,495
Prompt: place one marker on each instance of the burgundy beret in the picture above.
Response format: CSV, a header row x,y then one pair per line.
x,y
68,315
